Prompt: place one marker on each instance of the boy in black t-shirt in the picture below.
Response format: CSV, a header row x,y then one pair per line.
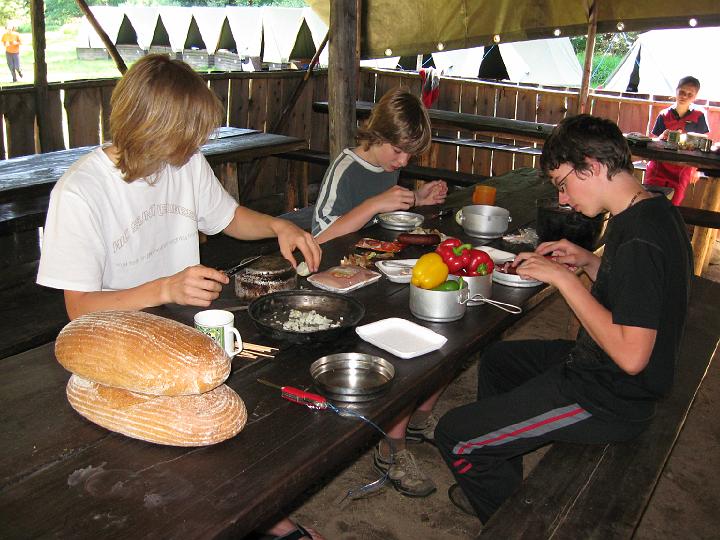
x,y
603,386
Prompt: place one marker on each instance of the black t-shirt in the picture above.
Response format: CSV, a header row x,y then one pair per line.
x,y
644,280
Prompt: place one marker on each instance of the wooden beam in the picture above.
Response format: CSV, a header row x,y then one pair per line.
x,y
109,45
342,74
42,105
582,104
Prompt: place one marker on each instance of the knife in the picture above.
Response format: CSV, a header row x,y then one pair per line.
x,y
242,264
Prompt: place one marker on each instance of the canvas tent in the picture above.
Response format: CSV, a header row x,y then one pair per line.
x,y
143,20
176,21
408,27
660,58
542,61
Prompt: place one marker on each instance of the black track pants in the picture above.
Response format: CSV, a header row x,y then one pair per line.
x,y
519,409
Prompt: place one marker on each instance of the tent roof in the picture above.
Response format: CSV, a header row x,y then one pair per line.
x,y
280,27
176,20
110,20
542,61
209,21
668,55
408,27
246,26
143,20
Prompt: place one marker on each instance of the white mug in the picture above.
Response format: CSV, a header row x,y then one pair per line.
x,y
219,325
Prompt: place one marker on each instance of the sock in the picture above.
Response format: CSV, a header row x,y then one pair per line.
x,y
398,444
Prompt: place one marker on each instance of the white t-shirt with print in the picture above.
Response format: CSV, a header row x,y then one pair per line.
x,y
103,233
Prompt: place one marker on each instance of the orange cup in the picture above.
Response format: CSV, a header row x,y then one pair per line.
x,y
484,195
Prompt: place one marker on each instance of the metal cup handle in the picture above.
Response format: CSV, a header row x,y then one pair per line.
x,y
510,308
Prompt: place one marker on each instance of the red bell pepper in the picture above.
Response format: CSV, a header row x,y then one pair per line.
x,y
454,254
479,263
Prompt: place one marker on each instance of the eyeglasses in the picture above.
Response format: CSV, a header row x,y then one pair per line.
x,y
561,184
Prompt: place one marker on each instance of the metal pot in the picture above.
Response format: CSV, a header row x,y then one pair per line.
x,y
438,306
483,221
481,285
272,310
352,376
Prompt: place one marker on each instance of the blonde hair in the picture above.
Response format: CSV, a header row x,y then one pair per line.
x,y
399,118
162,112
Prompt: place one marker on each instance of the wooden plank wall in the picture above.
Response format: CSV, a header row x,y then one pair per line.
x,y
255,99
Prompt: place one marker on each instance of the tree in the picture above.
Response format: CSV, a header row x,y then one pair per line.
x,y
12,11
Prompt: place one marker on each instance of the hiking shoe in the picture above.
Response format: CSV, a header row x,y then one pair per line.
x,y
404,473
421,432
459,499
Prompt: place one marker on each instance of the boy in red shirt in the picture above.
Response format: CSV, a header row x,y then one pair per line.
x,y
682,116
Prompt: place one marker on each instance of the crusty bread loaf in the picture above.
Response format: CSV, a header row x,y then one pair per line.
x,y
141,352
196,420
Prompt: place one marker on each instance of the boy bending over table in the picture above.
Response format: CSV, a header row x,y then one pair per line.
x,y
122,226
358,185
603,386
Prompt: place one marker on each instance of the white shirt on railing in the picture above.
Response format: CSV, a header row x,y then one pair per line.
x,y
103,233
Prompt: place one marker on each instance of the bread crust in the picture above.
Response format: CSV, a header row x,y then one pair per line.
x,y
195,420
141,352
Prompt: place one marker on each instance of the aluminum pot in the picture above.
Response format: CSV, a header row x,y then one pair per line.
x,y
438,306
483,221
476,285
352,376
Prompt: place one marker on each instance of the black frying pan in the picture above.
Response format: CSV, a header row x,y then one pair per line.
x,y
270,311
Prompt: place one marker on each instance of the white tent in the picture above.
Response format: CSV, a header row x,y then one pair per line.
x,y
318,29
660,58
176,21
209,21
246,25
541,61
280,27
143,20
110,19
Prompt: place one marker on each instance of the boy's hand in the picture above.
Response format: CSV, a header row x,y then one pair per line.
x,y
195,286
431,193
291,237
395,198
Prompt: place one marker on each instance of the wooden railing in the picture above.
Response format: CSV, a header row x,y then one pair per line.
x,y
79,112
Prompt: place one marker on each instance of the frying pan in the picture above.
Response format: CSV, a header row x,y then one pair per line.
x,y
270,311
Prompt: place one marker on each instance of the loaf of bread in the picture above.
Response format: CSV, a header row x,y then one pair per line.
x,y
196,420
142,353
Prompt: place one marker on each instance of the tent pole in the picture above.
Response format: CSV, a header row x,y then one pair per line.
x,y
342,74
109,45
582,104
42,105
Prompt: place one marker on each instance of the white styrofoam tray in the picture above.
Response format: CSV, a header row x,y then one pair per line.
x,y
397,274
403,338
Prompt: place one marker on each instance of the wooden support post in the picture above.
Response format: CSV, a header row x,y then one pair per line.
x,y
342,74
109,45
582,103
42,105
703,239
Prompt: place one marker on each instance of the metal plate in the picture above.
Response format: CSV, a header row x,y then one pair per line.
x,y
352,376
400,221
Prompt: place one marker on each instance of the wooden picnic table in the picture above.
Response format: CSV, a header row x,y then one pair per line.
x,y
33,176
707,162
63,476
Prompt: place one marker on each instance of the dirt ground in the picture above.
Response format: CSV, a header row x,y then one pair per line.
x,y
685,503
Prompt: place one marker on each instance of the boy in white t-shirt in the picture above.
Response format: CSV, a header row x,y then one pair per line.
x,y
123,222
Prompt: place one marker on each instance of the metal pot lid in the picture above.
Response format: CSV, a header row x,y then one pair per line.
x,y
268,265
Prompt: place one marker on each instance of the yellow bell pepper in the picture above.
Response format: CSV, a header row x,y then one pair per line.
x,y
429,272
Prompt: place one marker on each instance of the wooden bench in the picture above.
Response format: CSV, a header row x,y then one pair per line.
x,y
601,491
23,215
416,172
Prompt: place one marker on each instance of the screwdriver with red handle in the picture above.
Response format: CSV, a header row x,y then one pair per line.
x,y
301,397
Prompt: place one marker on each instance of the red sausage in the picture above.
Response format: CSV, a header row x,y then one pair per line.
x,y
419,239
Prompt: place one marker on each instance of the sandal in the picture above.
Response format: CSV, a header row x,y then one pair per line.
x,y
299,533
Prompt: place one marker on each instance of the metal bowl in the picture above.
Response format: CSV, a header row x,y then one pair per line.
x,y
269,312
352,376
400,220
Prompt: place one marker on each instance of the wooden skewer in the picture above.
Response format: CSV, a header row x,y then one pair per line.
x,y
257,353
244,354
263,348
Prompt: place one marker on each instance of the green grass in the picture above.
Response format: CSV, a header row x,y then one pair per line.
x,y
60,57
603,67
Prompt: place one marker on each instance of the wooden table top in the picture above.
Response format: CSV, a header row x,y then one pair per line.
x,y
36,174
84,480
708,162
